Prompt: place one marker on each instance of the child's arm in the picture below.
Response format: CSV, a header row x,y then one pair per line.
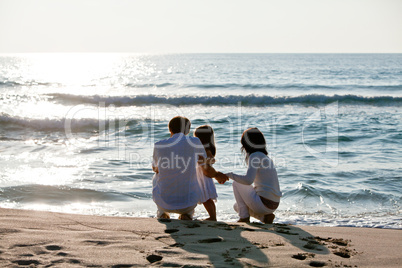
x,y
210,172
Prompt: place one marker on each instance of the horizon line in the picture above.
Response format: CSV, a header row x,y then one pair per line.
x,y
164,53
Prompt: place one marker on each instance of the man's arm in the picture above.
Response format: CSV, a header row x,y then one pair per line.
x,y
155,162
155,169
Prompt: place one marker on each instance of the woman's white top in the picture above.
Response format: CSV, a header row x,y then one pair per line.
x,y
261,171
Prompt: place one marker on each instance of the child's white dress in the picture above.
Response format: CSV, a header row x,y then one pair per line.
x,y
207,185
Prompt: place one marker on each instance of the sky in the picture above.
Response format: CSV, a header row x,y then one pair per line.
x,y
203,26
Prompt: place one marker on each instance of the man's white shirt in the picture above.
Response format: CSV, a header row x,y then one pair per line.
x,y
176,185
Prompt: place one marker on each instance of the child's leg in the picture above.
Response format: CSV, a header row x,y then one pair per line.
x,y
211,209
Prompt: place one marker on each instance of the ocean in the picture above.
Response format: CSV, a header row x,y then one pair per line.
x,y
77,130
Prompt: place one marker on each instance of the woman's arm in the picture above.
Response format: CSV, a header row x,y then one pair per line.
x,y
248,179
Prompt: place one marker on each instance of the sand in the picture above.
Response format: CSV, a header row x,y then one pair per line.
x,y
46,239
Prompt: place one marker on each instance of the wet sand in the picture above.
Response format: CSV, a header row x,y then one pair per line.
x,y
45,239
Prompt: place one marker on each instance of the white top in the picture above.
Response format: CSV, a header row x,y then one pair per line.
x,y
262,172
176,185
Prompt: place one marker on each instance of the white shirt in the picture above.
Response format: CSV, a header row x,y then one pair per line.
x,y
262,172
176,185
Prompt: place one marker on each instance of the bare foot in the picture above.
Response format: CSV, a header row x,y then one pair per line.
x,y
210,219
244,220
164,216
185,217
269,218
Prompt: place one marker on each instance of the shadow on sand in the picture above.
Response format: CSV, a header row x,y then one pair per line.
x,y
225,244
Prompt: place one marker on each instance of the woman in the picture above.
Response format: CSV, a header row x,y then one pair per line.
x,y
262,199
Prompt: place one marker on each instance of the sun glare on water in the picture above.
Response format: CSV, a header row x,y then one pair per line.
x,y
71,69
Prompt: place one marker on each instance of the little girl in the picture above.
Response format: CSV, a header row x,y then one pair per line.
x,y
206,135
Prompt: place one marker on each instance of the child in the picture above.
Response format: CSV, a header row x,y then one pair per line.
x,y
206,135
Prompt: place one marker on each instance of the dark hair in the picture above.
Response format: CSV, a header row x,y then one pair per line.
x,y
206,135
253,141
179,124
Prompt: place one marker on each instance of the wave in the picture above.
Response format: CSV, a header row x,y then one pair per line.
x,y
8,83
293,86
359,195
281,87
85,125
149,85
245,100
36,193
46,124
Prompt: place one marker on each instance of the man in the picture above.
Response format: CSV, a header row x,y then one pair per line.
x,y
175,185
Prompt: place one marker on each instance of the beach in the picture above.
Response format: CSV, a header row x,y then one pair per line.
x,y
298,106
48,239
78,146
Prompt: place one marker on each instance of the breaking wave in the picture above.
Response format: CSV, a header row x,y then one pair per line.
x,y
245,100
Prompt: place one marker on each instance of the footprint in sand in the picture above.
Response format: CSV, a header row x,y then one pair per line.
x,y
164,220
311,246
26,255
193,225
345,252
303,256
98,242
339,245
27,262
53,247
317,264
71,261
170,231
285,231
154,258
260,246
24,245
167,252
211,240
178,245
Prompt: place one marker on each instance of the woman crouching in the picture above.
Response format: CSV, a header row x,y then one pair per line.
x,y
261,199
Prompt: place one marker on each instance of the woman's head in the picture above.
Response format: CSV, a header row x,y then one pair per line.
x,y
253,141
206,135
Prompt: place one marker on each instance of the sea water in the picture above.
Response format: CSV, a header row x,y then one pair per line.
x,y
77,130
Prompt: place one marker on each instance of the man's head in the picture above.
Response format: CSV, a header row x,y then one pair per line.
x,y
179,124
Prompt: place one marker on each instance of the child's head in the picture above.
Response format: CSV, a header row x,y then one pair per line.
x,y
206,135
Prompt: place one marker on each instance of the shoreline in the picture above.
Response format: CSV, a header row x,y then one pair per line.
x,y
36,239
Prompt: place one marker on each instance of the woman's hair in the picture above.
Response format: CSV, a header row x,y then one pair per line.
x,y
206,135
253,141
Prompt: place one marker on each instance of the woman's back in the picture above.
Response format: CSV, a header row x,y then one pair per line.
x,y
266,181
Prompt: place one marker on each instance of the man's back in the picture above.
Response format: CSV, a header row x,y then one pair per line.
x,y
176,185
